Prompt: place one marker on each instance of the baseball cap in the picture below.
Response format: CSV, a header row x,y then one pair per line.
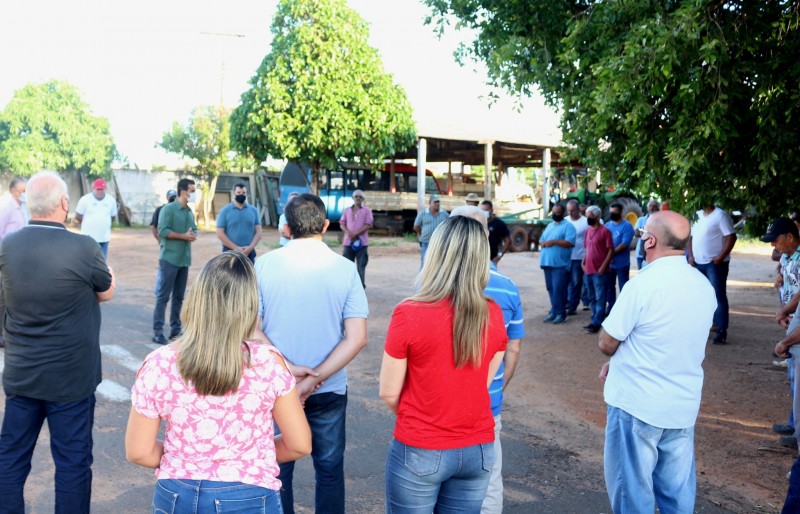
x,y
778,227
472,197
99,184
171,194
434,198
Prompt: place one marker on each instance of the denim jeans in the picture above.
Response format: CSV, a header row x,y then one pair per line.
x,y
104,248
493,503
557,282
326,413
717,274
598,293
70,425
361,258
645,465
575,285
210,497
792,503
422,481
171,280
618,276
423,249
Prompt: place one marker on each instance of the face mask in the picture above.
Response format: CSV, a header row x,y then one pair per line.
x,y
192,197
558,217
591,221
240,198
22,198
616,216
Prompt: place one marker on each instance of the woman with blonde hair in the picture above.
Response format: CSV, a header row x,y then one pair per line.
x,y
443,347
218,392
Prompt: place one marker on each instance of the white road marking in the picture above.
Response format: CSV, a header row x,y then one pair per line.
x,y
113,391
122,356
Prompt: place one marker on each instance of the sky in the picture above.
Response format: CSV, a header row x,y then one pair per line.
x,y
146,64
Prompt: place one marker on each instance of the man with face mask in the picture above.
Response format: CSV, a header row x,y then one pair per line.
x,y
556,244
238,224
95,212
596,264
622,233
177,230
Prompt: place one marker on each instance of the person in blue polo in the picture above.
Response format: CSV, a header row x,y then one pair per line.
x,y
555,259
238,224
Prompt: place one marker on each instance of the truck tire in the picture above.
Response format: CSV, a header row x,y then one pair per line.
x,y
631,210
519,239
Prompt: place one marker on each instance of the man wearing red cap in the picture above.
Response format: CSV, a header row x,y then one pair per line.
x,y
95,212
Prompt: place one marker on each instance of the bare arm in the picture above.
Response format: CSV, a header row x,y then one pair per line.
x,y
226,241
78,217
294,441
606,262
355,339
257,233
155,233
563,243
418,230
782,348
108,294
730,240
392,378
608,345
494,366
141,445
511,359
689,253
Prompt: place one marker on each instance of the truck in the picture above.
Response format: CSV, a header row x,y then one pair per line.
x,y
393,203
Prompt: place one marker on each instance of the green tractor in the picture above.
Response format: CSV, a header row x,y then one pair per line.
x,y
631,207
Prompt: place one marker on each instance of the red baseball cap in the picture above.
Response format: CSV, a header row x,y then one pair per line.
x,y
99,184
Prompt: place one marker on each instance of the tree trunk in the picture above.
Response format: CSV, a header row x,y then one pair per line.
x,y
208,200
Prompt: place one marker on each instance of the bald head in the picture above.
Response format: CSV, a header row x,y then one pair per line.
x,y
671,231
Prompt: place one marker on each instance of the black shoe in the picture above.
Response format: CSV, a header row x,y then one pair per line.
x,y
721,339
173,335
783,428
572,313
159,339
789,441
549,318
592,329
2,342
559,320
585,308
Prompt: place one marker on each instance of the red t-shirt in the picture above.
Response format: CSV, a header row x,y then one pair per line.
x,y
441,407
597,242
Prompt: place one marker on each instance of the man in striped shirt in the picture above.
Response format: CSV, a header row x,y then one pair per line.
x,y
426,222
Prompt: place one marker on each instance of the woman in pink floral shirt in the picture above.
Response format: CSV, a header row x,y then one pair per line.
x,y
218,394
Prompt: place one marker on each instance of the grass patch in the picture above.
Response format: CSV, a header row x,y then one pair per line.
x,y
410,237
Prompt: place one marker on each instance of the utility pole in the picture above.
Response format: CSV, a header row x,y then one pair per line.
x,y
222,60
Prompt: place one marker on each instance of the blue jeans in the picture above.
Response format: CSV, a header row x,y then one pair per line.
x,y
210,497
104,248
598,292
325,413
645,465
575,285
171,280
792,503
442,481
70,425
423,249
619,276
717,274
361,258
557,282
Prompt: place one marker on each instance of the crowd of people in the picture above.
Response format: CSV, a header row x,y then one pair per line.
x,y
247,385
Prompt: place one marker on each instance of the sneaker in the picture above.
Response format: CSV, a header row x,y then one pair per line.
x,y
160,339
783,428
559,320
721,339
549,318
590,325
592,329
781,363
789,441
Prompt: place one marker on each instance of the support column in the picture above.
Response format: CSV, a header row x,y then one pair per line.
x,y
488,177
422,156
546,182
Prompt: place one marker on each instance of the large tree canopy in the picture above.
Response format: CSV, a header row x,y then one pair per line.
x,y
321,95
694,100
49,126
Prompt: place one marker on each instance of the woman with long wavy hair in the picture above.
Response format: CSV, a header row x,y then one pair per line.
x,y
443,347
218,392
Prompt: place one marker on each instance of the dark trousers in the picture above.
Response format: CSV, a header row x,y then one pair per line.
x,y
792,503
326,414
361,258
717,274
70,425
575,285
171,280
619,276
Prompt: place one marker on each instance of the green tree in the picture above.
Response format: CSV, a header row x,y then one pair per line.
x,y
49,126
321,95
206,139
695,100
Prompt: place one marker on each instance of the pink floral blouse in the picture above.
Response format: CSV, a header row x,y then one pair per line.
x,y
224,438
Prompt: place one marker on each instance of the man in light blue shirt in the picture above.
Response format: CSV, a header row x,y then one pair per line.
x,y
555,259
314,310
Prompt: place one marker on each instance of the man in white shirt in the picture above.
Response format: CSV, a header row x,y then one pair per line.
x,y
656,336
95,212
652,206
709,251
578,221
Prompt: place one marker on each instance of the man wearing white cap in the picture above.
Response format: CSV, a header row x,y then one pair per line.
x,y
95,212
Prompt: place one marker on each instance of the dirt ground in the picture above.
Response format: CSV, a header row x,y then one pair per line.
x,y
554,409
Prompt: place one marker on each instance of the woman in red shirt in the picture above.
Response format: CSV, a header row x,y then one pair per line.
x,y
443,347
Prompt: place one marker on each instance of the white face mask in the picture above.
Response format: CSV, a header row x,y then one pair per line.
x,y
22,198
192,196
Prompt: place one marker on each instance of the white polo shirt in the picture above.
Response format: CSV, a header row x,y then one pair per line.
x,y
97,216
662,317
578,251
708,235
